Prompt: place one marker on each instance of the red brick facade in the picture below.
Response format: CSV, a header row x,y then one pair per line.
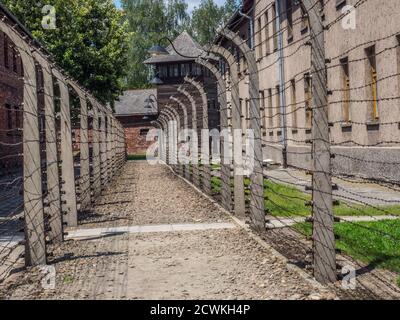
x,y
11,95
135,133
136,139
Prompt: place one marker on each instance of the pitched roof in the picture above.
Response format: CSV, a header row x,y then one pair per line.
x,y
184,44
132,102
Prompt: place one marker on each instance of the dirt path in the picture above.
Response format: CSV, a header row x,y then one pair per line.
x,y
197,264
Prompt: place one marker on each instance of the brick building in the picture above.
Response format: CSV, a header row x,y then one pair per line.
x,y
363,77
11,94
171,69
131,111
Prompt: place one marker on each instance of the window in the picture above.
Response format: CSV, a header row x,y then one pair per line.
x,y
211,105
308,99
175,70
262,106
346,89
242,113
293,103
15,60
305,22
185,69
274,31
6,52
259,37
250,40
144,132
266,31
9,117
270,109
372,82
196,70
163,71
278,107
289,16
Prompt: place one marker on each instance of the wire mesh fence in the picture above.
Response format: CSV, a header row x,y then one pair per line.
x,y
51,147
324,186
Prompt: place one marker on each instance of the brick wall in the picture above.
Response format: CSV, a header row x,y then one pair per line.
x,y
11,95
136,139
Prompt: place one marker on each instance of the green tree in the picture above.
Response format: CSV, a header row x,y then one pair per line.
x,y
229,8
89,42
149,21
208,16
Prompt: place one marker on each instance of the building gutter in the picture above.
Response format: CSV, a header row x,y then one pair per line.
x,y
241,13
282,89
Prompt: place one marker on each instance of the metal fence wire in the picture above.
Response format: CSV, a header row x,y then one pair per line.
x,y
318,209
60,149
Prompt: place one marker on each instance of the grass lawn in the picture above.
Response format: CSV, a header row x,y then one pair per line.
x,y
216,184
368,242
286,201
136,157
365,241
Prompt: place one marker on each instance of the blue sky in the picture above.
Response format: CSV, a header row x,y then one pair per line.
x,y
191,3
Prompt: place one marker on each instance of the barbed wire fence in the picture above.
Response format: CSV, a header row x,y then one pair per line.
x,y
334,204
61,148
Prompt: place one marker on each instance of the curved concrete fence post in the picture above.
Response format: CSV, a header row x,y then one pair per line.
x,y
117,146
236,115
53,198
257,210
163,139
185,167
96,177
122,146
172,143
173,135
84,181
108,146
164,121
69,203
205,134
103,149
35,245
194,136
176,129
118,134
113,138
161,142
226,193
180,130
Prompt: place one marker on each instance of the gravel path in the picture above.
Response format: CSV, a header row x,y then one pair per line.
x,y
150,195
206,264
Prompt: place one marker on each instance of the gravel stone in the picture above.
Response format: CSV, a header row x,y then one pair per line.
x,y
206,264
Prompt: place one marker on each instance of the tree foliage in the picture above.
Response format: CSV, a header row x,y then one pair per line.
x,y
208,16
151,20
89,42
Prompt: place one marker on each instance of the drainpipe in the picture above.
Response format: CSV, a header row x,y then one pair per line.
x,y
281,73
251,26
